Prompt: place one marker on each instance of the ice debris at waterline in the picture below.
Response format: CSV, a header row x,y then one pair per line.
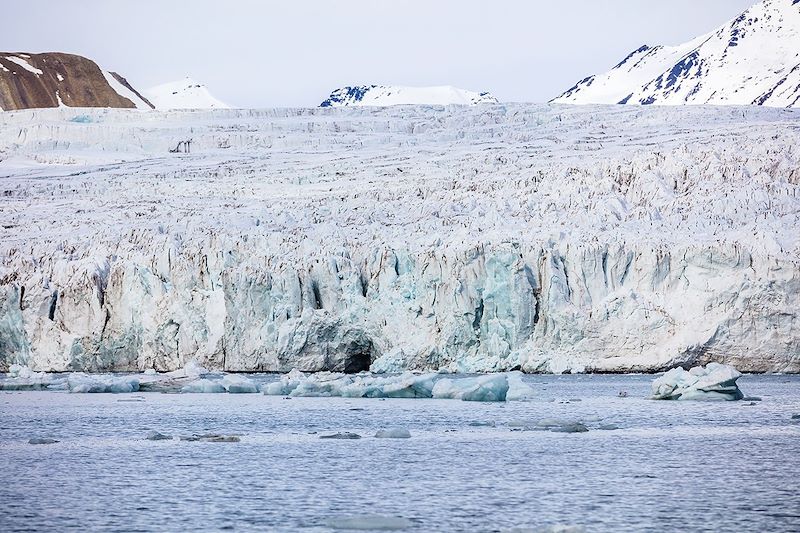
x,y
714,382
490,388
231,383
23,378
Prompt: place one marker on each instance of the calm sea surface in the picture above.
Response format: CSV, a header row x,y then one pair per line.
x,y
670,466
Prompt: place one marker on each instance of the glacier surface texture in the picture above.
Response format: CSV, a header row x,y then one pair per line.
x,y
542,238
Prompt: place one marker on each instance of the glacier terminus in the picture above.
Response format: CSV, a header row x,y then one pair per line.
x,y
541,238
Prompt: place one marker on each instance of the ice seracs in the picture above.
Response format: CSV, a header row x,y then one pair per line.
x,y
712,382
753,59
387,95
471,239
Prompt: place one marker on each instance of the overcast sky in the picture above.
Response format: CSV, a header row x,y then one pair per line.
x,y
294,52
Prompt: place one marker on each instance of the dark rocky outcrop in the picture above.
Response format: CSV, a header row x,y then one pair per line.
x,y
53,78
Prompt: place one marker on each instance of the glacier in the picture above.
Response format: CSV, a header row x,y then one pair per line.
x,y
540,238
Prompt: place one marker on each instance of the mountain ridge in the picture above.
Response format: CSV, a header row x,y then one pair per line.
x,y
56,79
386,95
753,59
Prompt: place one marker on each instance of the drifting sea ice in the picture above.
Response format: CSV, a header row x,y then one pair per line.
x,y
393,433
23,378
239,384
80,382
489,388
203,386
714,382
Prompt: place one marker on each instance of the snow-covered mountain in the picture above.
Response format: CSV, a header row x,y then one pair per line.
x,y
385,95
56,79
546,238
754,59
183,94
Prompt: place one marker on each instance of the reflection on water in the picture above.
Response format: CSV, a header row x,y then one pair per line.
x,y
467,467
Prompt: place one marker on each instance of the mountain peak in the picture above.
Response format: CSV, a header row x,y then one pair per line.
x,y
387,95
752,59
186,93
57,79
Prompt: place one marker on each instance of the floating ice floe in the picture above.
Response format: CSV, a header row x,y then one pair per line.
x,y
21,377
211,437
489,388
204,385
369,523
231,383
37,440
342,436
393,433
712,382
239,384
80,382
155,435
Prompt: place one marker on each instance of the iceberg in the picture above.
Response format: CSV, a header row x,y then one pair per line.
x,y
393,433
491,388
203,385
239,384
488,388
715,381
79,382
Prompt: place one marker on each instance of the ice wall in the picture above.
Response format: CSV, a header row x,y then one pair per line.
x,y
541,238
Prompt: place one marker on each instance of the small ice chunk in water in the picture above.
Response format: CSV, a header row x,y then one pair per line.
x,y
492,388
192,369
369,523
575,427
714,382
556,528
98,383
21,377
518,390
393,433
203,385
342,436
211,437
155,435
42,441
239,384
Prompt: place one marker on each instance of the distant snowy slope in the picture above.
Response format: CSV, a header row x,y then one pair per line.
x,y
183,94
384,95
754,59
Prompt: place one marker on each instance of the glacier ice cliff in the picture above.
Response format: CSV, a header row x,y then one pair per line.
x,y
541,238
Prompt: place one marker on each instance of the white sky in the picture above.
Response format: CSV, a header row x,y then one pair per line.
x,y
294,52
